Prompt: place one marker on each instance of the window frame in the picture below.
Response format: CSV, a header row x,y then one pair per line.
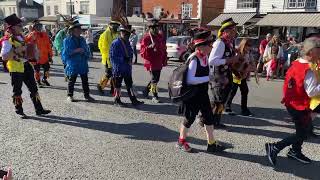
x,y
301,4
85,4
48,8
247,4
186,9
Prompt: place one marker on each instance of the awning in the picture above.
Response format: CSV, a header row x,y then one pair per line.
x,y
240,18
291,20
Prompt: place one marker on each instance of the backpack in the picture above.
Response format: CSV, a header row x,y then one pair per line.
x,y
177,85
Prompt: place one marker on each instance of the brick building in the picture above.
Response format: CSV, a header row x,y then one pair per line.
x,y
202,10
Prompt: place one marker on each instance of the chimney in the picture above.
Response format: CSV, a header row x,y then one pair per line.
x,y
29,2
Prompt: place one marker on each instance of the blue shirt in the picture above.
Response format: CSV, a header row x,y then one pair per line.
x,y
76,63
120,58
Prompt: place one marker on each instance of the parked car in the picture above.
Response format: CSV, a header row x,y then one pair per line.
x,y
96,35
177,47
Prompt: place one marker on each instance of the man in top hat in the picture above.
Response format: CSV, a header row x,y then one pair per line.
x,y
121,55
154,52
104,44
76,55
42,41
21,71
221,57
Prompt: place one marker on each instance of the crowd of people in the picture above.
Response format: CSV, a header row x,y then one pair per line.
x,y
214,63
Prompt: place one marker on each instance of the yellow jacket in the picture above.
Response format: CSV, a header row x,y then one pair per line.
x,y
15,65
315,101
104,45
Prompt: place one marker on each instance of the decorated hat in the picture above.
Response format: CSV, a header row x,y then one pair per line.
x,y
153,22
12,20
226,24
126,28
75,24
202,37
36,23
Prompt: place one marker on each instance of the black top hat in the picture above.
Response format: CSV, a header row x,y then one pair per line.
x,y
153,22
202,37
36,23
126,28
75,24
12,20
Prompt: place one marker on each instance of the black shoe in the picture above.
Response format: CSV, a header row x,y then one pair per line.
x,y
246,113
146,93
272,153
44,81
137,102
42,112
229,112
100,89
118,102
22,114
298,156
216,147
89,98
220,126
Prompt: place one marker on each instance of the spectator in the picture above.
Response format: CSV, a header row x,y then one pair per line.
x,y
133,42
272,55
89,40
262,47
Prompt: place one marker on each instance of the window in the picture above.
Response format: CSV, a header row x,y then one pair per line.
x,y
56,9
70,6
246,4
302,3
4,11
186,11
14,10
48,11
157,11
10,11
84,7
136,10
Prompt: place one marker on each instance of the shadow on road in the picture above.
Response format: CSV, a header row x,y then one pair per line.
x,y
285,165
135,131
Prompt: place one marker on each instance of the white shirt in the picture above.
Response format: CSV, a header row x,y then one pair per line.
x,y
191,75
268,55
217,53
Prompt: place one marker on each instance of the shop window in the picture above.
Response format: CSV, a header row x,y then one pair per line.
x,y
186,11
70,7
157,11
246,4
48,11
84,7
56,9
302,3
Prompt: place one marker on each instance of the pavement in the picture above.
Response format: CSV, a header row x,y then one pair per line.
x,y
84,140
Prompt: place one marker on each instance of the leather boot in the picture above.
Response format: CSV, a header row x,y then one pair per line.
x,y
38,106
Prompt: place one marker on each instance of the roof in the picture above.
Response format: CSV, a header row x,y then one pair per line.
x,y
240,18
36,5
291,19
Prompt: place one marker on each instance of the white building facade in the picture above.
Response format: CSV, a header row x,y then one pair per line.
x,y
296,18
23,8
100,8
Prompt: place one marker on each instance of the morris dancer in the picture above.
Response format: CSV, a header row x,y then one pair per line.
x,y
105,40
41,39
198,77
121,56
222,56
76,55
21,71
300,85
153,51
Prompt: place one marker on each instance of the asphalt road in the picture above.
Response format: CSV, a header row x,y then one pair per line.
x,y
99,141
